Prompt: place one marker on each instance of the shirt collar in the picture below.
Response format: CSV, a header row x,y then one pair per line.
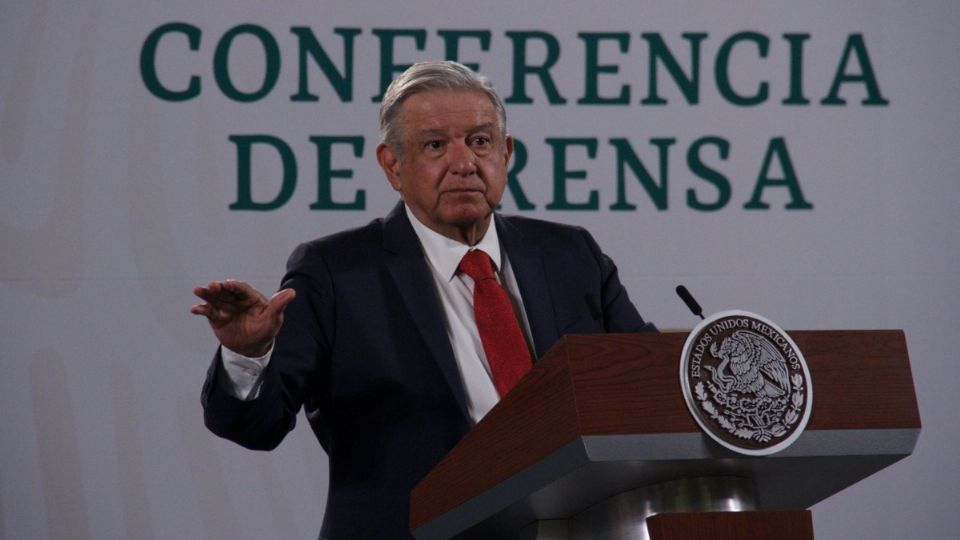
x,y
444,253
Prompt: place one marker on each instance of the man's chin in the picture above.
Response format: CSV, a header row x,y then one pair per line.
x,y
467,215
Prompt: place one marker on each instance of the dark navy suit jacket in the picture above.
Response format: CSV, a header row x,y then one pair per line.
x,y
364,350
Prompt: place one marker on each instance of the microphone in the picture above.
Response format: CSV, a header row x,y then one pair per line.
x,y
689,301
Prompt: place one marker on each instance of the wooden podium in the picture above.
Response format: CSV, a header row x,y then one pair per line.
x,y
597,437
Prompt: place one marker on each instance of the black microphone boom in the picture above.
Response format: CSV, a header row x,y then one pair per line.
x,y
689,301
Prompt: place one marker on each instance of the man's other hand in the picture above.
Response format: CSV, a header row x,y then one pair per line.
x,y
243,319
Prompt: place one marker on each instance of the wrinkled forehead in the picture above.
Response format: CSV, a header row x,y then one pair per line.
x,y
440,109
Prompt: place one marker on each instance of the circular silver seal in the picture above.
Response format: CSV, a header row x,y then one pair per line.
x,y
746,383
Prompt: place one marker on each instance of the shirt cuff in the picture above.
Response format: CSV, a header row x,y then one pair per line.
x,y
244,374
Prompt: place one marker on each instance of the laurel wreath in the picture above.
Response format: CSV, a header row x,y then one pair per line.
x,y
763,434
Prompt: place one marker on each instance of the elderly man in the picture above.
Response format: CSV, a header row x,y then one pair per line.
x,y
398,336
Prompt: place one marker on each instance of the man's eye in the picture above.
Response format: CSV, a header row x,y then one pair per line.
x,y
433,145
481,141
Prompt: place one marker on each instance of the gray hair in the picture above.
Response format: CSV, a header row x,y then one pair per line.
x,y
425,76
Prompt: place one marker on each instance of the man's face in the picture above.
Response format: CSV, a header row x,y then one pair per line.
x,y
453,167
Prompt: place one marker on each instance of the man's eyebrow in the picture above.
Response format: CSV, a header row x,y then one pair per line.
x,y
440,132
486,126
433,132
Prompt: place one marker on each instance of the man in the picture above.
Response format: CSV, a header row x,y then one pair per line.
x,y
382,335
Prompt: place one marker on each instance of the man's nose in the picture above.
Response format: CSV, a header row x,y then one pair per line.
x,y
462,160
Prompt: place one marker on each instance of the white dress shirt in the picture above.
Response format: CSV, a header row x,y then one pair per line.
x,y
455,290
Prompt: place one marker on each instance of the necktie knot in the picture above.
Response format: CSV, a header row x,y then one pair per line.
x,y
477,265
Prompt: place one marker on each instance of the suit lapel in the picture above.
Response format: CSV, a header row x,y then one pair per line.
x,y
408,266
527,263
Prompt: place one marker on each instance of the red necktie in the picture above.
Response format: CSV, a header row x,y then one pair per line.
x,y
500,334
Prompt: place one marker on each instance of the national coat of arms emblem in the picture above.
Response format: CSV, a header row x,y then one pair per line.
x,y
746,383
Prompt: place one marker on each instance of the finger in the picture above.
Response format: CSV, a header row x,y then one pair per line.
x,y
216,317
213,298
242,291
213,289
210,311
228,294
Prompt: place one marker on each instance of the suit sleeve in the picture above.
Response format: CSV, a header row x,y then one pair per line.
x,y
296,369
617,311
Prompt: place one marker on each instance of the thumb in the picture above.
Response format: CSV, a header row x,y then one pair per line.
x,y
280,300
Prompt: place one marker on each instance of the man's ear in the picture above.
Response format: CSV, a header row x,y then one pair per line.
x,y
390,164
508,149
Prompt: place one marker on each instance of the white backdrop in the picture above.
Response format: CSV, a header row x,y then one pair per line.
x,y
115,202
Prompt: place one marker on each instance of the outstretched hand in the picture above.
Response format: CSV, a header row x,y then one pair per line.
x,y
243,319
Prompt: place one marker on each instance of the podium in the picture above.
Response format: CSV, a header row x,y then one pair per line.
x,y
597,438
